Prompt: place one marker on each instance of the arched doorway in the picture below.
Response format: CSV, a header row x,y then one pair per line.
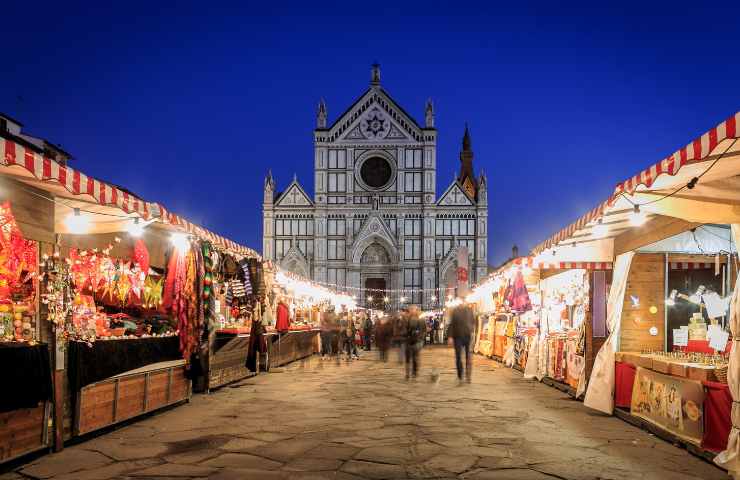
x,y
375,262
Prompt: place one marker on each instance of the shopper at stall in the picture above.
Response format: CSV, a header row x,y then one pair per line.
x,y
415,334
347,332
435,330
461,330
367,330
328,327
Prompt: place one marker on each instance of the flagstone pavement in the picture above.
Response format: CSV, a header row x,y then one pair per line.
x,y
362,420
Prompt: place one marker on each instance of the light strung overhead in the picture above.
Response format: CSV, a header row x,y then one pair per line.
x,y
77,223
180,241
600,230
638,218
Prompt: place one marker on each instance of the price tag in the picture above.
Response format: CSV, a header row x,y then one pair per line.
x,y
681,336
719,341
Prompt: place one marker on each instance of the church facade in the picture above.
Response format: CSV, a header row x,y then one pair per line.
x,y
375,225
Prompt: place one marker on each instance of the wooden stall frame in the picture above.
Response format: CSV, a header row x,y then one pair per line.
x,y
146,407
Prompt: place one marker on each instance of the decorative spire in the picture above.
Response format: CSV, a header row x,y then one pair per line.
x,y
429,114
269,181
466,145
466,164
375,74
321,115
295,177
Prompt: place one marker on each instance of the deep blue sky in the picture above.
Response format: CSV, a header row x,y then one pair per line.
x,y
188,105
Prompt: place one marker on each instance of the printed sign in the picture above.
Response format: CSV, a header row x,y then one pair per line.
x,y
681,336
673,403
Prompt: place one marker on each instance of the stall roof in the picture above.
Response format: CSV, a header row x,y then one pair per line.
x,y
696,185
111,205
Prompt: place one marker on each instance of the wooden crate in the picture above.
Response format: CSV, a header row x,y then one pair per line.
x,y
23,431
129,395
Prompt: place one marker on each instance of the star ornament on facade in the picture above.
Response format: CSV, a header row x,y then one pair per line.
x,y
375,125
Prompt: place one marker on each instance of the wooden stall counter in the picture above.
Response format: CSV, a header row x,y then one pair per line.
x,y
25,401
287,347
116,380
228,356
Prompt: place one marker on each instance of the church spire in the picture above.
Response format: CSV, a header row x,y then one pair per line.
x,y
429,114
321,115
375,74
467,177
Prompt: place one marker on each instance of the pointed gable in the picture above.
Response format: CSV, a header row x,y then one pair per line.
x,y
375,226
294,196
374,116
455,196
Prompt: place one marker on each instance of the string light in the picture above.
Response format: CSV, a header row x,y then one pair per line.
x,y
386,299
135,228
403,299
180,241
77,223
600,230
637,218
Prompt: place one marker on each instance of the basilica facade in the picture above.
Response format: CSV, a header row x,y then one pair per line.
x,y
375,225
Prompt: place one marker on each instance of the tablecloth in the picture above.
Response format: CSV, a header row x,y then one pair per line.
x,y
717,423
26,375
624,379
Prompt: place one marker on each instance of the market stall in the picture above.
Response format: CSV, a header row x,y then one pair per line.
x,y
116,286
296,305
654,227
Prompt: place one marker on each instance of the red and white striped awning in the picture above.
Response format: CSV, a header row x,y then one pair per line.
x,y
531,263
691,265
14,155
617,207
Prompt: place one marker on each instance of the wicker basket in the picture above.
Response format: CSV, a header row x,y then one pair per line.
x,y
721,374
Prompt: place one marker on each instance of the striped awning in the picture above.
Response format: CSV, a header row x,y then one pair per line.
x,y
618,211
691,265
531,263
49,171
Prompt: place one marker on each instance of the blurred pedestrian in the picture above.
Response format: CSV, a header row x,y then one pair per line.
x,y
461,330
367,331
415,333
347,332
400,328
435,330
328,321
383,334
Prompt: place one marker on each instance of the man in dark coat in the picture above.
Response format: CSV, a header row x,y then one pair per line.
x,y
461,330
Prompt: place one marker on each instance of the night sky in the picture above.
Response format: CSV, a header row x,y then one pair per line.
x,y
189,105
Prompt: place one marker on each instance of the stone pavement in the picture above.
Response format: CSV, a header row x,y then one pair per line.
x,y
318,420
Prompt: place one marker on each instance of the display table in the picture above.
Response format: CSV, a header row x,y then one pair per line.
x,y
24,402
290,346
228,357
116,380
705,405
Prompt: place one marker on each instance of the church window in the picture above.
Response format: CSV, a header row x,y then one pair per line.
x,y
413,182
391,221
412,284
376,172
335,249
281,248
335,227
336,276
412,227
337,159
337,182
412,249
306,247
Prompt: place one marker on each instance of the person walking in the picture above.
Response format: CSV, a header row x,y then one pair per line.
x,y
415,333
461,330
328,319
400,328
435,330
367,331
347,332
383,334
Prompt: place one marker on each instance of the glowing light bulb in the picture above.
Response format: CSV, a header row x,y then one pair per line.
x,y
77,223
434,298
638,218
600,230
135,228
386,299
369,298
180,242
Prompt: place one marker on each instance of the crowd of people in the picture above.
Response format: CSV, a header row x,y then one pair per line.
x,y
404,330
